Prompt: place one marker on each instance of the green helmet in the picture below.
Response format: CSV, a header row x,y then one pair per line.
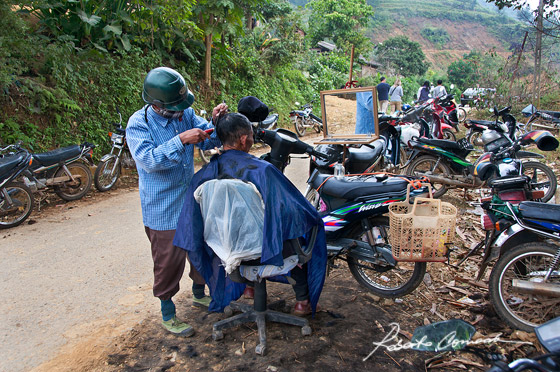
x,y
166,88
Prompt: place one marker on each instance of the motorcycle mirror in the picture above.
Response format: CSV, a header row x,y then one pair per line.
x,y
448,335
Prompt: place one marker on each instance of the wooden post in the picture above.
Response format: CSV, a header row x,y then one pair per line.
x,y
538,54
351,66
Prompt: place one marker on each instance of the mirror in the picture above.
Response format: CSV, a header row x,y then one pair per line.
x,y
448,335
349,116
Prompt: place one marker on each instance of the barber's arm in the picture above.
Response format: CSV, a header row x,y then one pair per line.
x,y
147,154
201,123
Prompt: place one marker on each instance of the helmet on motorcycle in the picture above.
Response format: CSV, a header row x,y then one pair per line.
x,y
166,88
253,108
484,168
406,106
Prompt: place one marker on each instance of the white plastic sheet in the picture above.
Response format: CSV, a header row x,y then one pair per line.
x,y
233,214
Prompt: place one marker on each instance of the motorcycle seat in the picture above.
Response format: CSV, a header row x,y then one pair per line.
x,y
540,211
270,119
365,153
482,122
56,156
9,162
509,182
350,188
444,144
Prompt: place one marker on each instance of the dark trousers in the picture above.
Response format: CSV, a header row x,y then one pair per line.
x,y
169,264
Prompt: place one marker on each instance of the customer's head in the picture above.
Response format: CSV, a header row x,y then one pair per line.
x,y
439,82
426,84
235,131
397,82
382,79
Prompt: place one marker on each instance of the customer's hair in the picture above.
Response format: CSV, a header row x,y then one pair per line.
x,y
231,127
382,78
439,82
397,82
426,84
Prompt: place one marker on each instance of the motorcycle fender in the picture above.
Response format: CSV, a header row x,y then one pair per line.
x,y
506,235
365,252
513,236
107,157
528,155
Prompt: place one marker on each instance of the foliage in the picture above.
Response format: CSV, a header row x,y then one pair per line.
x,y
402,56
435,35
341,21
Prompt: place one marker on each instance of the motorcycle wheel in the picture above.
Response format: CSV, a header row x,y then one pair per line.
x,y
542,178
461,114
386,282
300,129
22,204
475,138
424,166
529,261
449,135
317,126
104,178
74,190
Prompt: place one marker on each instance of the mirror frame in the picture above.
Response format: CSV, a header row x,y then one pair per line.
x,y
350,138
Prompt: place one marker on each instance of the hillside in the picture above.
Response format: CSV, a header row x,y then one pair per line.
x,y
446,29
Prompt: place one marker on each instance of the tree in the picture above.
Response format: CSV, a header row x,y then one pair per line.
x,y
403,56
342,21
462,73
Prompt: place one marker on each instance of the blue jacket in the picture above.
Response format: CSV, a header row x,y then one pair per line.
x,y
288,215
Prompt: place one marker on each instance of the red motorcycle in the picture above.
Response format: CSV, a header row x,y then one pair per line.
x,y
434,114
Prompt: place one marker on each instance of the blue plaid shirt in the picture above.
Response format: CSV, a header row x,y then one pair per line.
x,y
165,166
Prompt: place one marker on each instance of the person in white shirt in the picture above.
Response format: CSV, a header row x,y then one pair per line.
x,y
439,90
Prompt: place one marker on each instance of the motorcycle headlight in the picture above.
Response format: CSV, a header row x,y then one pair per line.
x,y
117,138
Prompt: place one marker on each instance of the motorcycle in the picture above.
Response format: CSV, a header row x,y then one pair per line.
x,y
483,133
109,167
524,284
305,118
16,199
356,229
454,114
444,162
64,170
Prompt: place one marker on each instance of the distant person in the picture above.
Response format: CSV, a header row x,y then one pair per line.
x,y
383,95
396,94
424,92
439,90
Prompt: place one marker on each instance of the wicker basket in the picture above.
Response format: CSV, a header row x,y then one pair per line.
x,y
420,231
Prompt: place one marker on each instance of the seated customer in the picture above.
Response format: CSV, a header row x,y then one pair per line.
x,y
287,215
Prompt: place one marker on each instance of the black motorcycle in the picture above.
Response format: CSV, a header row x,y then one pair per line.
x,y
16,199
65,171
353,214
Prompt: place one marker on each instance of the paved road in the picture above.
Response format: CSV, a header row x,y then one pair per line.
x,y
76,270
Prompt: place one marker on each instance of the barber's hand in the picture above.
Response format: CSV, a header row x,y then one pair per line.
x,y
219,110
193,136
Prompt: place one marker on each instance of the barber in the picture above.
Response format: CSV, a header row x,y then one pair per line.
x,y
161,137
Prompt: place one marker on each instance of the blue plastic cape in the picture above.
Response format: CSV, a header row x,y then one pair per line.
x,y
288,215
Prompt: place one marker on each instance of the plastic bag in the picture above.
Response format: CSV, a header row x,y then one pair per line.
x,y
233,214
